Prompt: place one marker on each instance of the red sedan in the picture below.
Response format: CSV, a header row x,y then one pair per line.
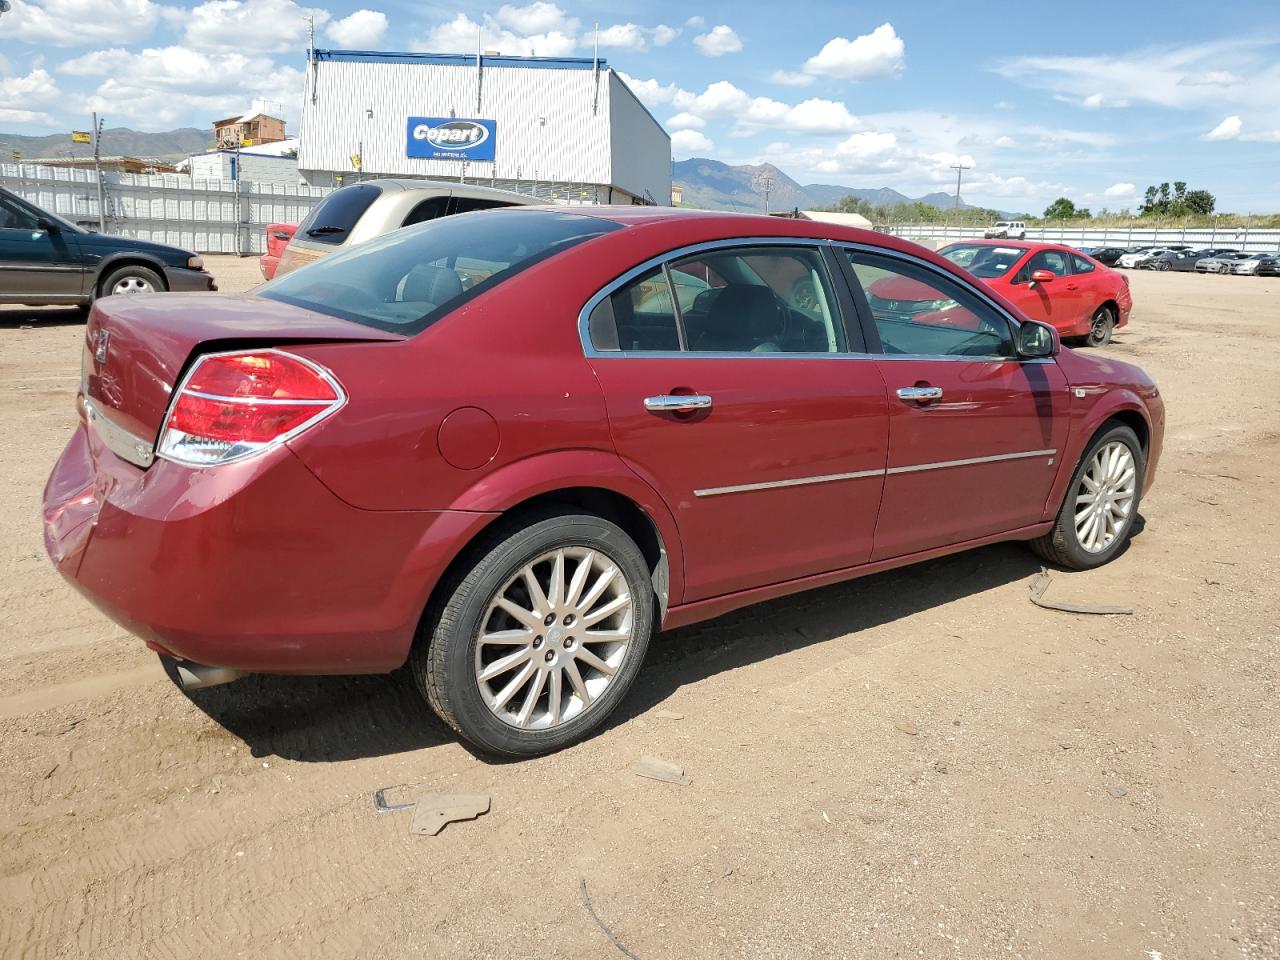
x,y
1081,298
506,447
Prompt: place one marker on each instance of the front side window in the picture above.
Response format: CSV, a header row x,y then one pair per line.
x,y
1081,264
983,260
920,312
407,279
13,217
1055,261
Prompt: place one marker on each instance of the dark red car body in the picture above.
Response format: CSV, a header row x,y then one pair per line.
x,y
278,237
1070,300
320,554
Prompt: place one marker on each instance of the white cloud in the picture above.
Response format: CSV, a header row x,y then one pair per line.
x,y
627,36
68,23
870,143
788,79
249,25
1228,129
1004,141
156,89
718,41
362,30
820,116
652,93
695,23
720,99
879,53
1117,190
686,143
35,117
663,34
37,87
535,18
686,121
459,36
1213,78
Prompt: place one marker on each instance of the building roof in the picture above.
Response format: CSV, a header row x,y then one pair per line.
x,y
462,59
245,118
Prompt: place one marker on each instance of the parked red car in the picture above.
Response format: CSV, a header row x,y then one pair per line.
x,y
1080,297
508,446
278,237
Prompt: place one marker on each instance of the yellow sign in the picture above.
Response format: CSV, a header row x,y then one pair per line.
x,y
247,143
81,136
357,161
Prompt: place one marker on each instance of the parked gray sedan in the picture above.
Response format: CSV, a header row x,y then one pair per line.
x,y
1181,260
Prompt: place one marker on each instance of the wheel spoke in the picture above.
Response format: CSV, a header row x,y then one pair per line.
x,y
531,698
1091,483
503,664
579,580
591,660
608,610
553,697
529,618
555,591
537,596
514,684
605,636
598,588
576,681
523,635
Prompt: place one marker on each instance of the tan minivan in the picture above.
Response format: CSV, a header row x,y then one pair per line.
x,y
371,208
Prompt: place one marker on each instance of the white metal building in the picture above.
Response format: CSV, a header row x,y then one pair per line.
x,y
564,128
242,165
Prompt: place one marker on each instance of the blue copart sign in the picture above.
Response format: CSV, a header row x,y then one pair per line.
x,y
451,138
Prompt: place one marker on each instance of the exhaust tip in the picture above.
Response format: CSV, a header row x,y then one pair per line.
x,y
190,675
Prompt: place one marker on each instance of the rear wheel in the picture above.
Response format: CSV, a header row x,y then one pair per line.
x,y
1100,328
539,640
1097,515
132,279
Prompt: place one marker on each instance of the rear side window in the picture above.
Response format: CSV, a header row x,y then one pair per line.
x,y
407,279
333,220
468,204
1055,261
428,209
639,317
1081,264
13,217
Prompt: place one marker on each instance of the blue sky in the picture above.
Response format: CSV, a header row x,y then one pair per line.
x,y
1091,100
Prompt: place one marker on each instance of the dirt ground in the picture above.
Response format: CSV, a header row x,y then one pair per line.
x,y
920,763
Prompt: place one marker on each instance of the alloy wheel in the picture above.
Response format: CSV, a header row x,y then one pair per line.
x,y
132,284
1106,496
554,637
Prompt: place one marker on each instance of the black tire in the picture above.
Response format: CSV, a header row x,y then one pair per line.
x,y
443,659
1061,545
142,275
1100,328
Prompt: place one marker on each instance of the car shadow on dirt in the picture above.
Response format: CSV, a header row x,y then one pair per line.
x,y
15,317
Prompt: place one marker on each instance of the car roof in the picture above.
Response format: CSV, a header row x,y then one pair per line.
x,y
409,184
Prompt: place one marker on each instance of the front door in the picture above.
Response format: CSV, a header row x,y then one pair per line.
x,y
974,433
1058,302
731,388
36,262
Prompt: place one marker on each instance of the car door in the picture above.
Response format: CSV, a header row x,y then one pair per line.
x,y
733,388
974,432
1058,302
37,258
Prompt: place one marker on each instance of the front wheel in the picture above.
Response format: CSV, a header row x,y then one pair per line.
x,y
132,279
1097,515
1101,327
538,642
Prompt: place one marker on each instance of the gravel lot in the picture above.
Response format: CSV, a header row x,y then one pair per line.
x,y
919,763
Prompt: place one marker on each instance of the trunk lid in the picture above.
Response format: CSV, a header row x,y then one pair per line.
x,y
136,348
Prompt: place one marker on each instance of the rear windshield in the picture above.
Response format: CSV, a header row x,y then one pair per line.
x,y
406,280
983,260
332,220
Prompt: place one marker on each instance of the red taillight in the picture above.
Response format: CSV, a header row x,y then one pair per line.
x,y
233,405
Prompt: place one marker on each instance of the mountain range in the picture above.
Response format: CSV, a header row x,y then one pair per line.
x,y
116,142
718,186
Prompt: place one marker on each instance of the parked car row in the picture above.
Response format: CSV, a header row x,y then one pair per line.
x,y
1182,258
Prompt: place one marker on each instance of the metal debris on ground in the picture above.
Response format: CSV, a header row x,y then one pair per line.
x,y
1117,792
380,799
604,928
435,810
654,769
1040,583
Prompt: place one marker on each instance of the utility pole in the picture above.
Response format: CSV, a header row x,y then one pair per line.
x,y
97,168
764,184
959,168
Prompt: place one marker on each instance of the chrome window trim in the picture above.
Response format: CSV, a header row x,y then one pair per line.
x,y
862,474
663,259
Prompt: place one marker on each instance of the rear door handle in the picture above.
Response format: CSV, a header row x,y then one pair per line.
x,y
919,394
677,403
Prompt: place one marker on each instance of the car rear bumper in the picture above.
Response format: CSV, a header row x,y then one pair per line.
x,y
254,566
182,280
268,264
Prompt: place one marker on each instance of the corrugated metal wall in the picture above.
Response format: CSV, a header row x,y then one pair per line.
x,y
552,124
207,216
645,155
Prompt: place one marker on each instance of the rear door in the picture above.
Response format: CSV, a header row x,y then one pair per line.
x,y
974,433
733,388
36,262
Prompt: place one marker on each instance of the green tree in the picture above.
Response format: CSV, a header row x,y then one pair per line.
x,y
1201,202
1064,209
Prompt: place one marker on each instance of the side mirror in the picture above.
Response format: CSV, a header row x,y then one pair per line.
x,y
50,227
1037,340
1043,276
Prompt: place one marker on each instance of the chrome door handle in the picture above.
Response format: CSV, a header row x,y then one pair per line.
x,y
919,393
677,403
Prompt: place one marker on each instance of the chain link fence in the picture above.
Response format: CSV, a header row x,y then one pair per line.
x,y
1245,239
